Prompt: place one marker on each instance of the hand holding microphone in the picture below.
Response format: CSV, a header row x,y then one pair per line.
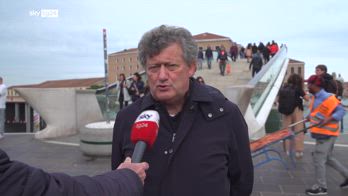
x,y
144,133
138,168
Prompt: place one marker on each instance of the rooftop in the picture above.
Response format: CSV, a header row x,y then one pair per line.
x,y
208,36
129,50
295,61
70,83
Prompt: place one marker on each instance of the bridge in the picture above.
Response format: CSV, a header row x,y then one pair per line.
x,y
65,113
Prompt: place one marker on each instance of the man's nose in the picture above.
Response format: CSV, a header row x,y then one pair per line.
x,y
163,72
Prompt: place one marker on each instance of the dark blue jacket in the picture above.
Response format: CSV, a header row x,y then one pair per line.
x,y
208,154
19,179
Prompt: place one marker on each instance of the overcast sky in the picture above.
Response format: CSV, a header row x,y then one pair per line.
x,y
315,31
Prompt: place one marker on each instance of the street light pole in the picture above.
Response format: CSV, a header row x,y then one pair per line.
x,y
106,77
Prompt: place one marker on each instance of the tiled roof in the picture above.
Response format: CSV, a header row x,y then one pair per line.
x,y
295,61
71,83
130,50
207,35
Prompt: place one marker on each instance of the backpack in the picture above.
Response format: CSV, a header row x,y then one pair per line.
x,y
287,100
257,62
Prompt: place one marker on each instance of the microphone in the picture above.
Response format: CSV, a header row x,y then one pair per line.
x,y
144,133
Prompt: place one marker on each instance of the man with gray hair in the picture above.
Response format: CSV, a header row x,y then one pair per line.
x,y
3,94
202,147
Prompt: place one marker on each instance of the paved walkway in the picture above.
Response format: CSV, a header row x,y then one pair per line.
x,y
240,74
271,179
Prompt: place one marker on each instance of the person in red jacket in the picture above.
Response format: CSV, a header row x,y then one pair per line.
x,y
274,48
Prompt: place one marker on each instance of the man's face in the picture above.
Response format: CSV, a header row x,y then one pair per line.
x,y
168,75
310,88
318,72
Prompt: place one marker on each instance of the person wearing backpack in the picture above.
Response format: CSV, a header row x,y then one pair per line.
x,y
256,63
290,105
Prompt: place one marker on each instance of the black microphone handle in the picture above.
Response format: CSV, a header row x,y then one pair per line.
x,y
138,153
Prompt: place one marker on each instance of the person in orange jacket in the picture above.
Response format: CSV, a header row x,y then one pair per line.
x,y
325,111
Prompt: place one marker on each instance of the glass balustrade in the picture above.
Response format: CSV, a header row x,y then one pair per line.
x,y
113,105
263,82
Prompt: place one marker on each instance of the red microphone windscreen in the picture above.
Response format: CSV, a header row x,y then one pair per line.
x,y
145,128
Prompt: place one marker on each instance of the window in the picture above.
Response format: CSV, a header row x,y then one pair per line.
x,y
130,67
123,68
292,70
130,59
124,60
299,70
117,68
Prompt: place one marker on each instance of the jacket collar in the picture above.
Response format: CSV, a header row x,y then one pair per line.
x,y
196,93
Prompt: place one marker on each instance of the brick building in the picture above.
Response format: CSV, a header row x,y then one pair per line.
x,y
295,66
125,61
214,41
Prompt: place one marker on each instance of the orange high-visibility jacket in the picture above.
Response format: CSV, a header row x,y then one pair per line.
x,y
324,110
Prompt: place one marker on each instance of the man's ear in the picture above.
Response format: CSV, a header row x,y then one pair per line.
x,y
192,69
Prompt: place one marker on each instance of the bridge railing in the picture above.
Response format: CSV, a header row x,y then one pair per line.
x,y
265,86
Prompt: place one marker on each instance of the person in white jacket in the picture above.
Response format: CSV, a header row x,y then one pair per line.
x,y
3,94
123,96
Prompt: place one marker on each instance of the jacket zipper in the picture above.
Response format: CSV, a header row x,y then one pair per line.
x,y
173,137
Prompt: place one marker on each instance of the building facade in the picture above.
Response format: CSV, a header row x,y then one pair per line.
x,y
295,66
214,41
125,62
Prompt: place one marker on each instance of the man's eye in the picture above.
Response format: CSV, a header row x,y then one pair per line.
x,y
153,67
172,67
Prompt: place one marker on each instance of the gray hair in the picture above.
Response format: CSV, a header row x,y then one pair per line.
x,y
159,38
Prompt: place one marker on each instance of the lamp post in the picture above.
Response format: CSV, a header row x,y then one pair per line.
x,y
106,77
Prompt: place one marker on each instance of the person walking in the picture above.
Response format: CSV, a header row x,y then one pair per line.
x,y
123,96
234,52
248,52
255,64
137,87
325,113
209,56
3,95
222,59
200,58
290,104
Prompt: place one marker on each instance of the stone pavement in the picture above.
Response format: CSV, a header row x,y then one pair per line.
x,y
240,74
53,157
271,179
